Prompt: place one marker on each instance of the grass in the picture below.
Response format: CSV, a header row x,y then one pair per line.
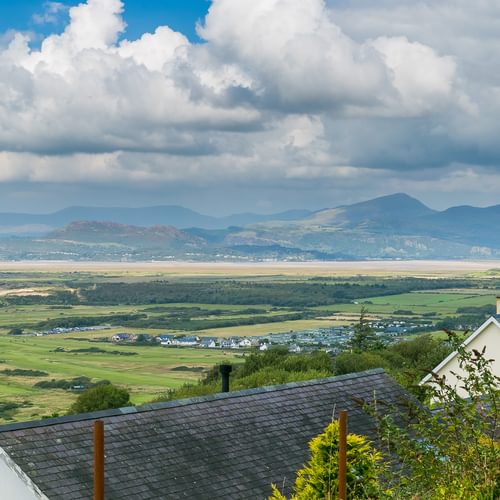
x,y
152,370
419,303
266,328
145,375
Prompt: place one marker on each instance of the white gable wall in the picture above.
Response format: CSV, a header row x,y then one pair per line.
x,y
14,483
487,335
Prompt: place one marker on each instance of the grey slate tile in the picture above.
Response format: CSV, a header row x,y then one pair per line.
x,y
226,446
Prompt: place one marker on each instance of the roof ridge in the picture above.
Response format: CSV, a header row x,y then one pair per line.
x,y
184,402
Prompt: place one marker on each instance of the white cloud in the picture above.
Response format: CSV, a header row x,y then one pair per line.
x,y
302,60
51,13
280,90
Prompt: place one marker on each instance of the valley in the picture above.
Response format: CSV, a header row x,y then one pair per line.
x,y
57,320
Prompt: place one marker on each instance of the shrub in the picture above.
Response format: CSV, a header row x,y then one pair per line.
x,y
451,452
101,397
318,480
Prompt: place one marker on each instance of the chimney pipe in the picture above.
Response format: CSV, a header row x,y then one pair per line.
x,y
498,305
225,370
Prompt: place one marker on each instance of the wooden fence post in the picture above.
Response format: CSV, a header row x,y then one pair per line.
x,y
98,460
343,455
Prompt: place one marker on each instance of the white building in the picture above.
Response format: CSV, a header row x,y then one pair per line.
x,y
487,337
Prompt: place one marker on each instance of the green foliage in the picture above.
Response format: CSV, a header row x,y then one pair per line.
x,y
364,338
275,366
289,294
453,452
318,480
8,409
101,397
20,372
15,331
350,362
77,382
406,361
486,310
273,376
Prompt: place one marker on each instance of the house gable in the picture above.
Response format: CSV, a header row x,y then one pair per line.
x,y
486,336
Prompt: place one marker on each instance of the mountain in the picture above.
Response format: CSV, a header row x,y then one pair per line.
x,y
173,215
390,227
464,224
392,210
395,226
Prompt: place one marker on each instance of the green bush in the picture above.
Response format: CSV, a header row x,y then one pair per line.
x,y
452,452
318,480
101,397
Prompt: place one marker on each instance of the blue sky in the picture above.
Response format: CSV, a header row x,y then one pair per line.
x,y
273,105
140,16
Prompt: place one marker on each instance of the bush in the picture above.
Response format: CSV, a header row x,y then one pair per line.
x,y
101,397
453,451
318,480
20,372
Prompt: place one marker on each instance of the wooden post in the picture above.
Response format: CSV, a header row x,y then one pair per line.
x,y
343,455
98,460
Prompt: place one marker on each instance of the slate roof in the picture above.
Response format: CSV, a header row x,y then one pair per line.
x,y
225,446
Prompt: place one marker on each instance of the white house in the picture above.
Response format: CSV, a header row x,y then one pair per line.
x,y
486,336
187,341
245,343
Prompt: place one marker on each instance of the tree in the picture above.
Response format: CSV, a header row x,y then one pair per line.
x,y
364,338
318,480
15,331
101,397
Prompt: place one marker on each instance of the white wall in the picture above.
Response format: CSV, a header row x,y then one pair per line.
x,y
489,337
14,484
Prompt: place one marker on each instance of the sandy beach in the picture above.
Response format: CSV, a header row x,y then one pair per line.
x,y
341,268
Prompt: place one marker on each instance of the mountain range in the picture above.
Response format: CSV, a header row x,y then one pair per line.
x,y
390,227
171,215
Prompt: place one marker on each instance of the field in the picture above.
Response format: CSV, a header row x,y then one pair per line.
x,y
146,373
419,303
241,300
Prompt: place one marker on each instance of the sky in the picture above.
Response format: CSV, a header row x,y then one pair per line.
x,y
226,106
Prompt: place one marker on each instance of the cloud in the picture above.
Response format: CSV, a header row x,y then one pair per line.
x,y
290,92
52,13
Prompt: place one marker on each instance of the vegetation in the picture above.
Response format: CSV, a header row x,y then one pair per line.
x,y
453,452
19,372
318,480
77,383
275,366
407,361
307,293
364,338
239,303
101,397
450,453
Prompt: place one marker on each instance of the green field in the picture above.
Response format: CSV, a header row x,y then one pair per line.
x,y
148,373
419,303
152,370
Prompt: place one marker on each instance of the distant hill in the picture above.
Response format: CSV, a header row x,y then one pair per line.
x,y
390,227
172,215
132,236
394,226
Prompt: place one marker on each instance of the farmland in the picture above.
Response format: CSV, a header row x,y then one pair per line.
x,y
221,301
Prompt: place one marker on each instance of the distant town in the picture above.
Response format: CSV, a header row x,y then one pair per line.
x,y
331,339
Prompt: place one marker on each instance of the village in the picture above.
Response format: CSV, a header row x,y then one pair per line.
x,y
332,339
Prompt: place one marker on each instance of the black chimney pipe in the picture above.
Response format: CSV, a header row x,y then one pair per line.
x,y
225,370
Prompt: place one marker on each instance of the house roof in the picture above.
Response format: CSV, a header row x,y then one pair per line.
x,y
232,445
493,319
